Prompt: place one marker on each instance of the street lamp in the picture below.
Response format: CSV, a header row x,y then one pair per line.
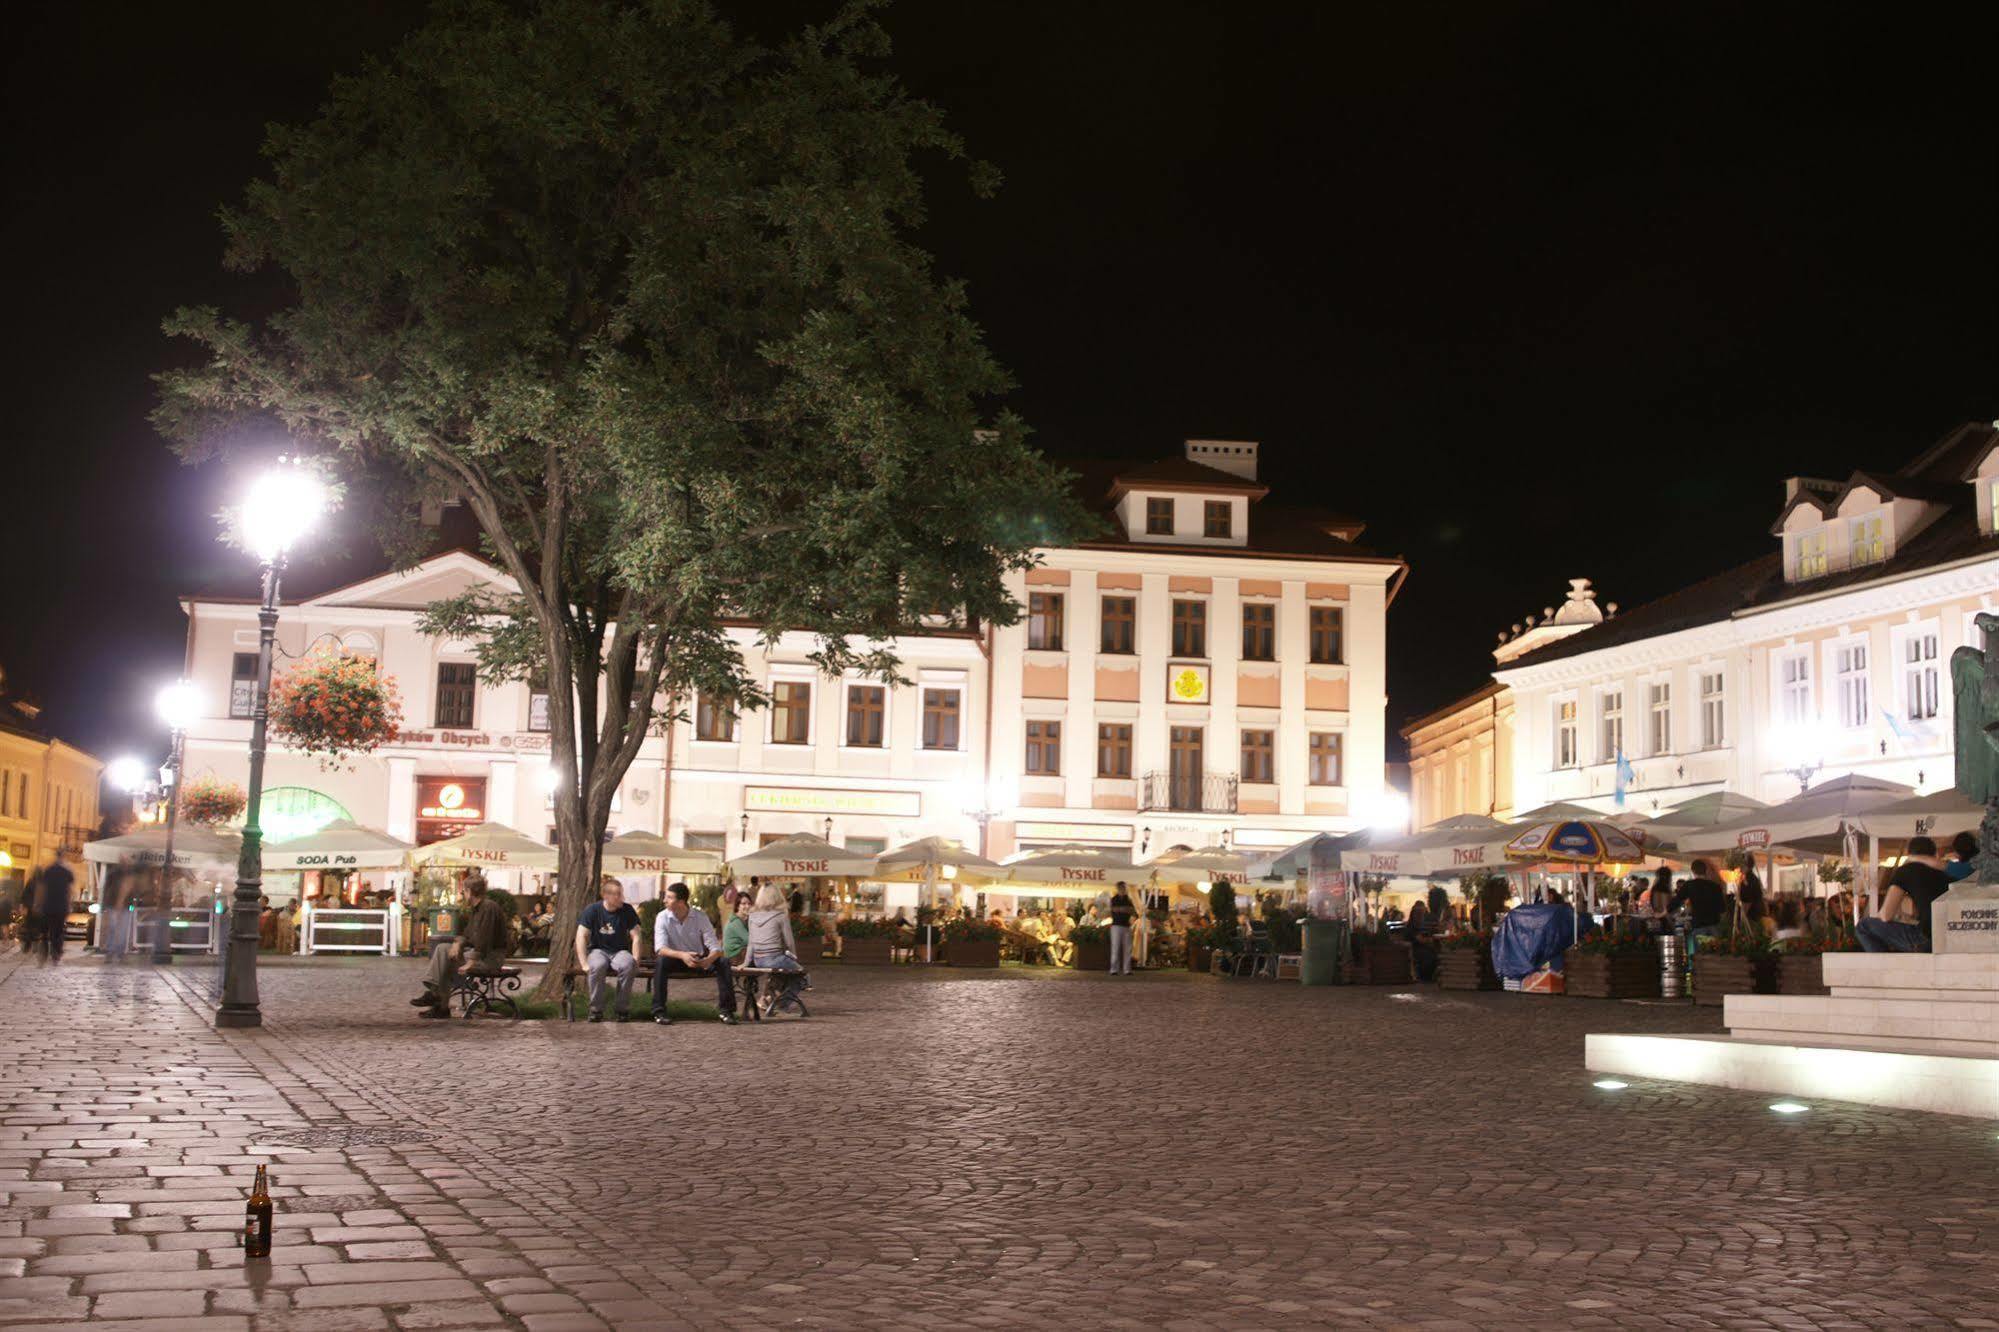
x,y
178,705
281,507
980,804
1800,749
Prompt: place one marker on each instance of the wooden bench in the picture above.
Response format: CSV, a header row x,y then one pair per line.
x,y
747,981
573,976
487,990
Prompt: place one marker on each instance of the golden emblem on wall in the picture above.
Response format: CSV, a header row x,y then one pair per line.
x,y
1190,685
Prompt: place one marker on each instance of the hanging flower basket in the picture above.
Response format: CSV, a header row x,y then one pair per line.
x,y
333,705
211,802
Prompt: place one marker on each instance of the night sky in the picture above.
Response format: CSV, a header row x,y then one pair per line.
x,y
1539,291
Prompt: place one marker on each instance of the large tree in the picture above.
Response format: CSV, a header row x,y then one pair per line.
x,y
641,293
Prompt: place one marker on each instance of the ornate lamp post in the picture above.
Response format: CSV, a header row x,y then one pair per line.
x,y
178,705
280,508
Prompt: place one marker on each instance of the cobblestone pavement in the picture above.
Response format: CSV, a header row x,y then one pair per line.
x,y
987,1149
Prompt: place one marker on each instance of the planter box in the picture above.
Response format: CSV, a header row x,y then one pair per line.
x,y
1717,976
866,952
1385,964
1801,973
1611,975
1466,969
1092,956
973,953
812,950
1197,957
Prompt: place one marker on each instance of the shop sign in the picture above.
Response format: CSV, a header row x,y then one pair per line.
x,y
448,800
803,866
1186,682
1118,833
1753,837
812,800
324,860
1070,874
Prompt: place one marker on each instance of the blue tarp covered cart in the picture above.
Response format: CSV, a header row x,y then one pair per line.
x,y
1531,937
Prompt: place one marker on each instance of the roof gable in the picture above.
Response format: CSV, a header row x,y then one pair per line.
x,y
451,574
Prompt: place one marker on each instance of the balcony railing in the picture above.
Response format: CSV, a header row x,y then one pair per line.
x,y
1205,793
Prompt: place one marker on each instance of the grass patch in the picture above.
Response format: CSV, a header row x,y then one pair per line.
x,y
680,1010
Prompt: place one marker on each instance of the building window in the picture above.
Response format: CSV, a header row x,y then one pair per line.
x,y
791,713
1044,621
1850,671
1659,717
714,717
1258,756
1324,751
1794,688
243,685
1565,734
1870,539
940,719
1114,749
1215,519
1812,554
538,701
1044,748
1190,628
457,687
864,716
706,841
1328,635
1259,631
1919,675
1610,725
1118,629
1159,517
1714,729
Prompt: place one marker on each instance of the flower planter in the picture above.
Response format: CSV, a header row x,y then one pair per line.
x,y
866,952
1466,969
1611,975
972,953
812,950
1197,957
1385,964
1092,957
1801,973
1718,975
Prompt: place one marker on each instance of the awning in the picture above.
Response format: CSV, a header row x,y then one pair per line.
x,y
341,844
1079,866
934,857
1819,812
489,846
195,848
648,853
1210,864
803,856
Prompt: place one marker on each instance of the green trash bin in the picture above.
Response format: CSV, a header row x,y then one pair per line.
x,y
1325,948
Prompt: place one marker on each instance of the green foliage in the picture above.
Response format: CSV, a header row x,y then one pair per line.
x,y
641,293
807,926
509,905
1090,934
1747,941
708,898
960,930
1602,943
1286,934
1221,909
1470,939
863,927
649,914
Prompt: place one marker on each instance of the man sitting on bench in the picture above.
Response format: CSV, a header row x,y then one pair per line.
x,y
604,947
483,945
684,944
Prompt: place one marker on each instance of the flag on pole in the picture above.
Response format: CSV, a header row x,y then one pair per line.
x,y
1625,776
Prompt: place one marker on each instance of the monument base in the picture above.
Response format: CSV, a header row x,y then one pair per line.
x,y
1910,1031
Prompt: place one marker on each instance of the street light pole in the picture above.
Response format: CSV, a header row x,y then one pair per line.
x,y
163,953
239,979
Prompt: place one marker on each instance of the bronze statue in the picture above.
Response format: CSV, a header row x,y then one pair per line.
x,y
1974,674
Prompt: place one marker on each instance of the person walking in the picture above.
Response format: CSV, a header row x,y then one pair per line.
x,y
604,947
482,943
684,944
52,904
114,922
1121,912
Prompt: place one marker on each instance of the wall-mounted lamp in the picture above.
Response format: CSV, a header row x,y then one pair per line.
x,y
746,827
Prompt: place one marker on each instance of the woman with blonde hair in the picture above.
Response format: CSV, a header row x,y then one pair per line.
x,y
772,944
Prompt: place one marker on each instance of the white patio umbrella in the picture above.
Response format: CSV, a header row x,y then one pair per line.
x,y
489,846
1703,811
928,859
1558,809
339,845
639,852
803,856
195,848
1209,864
1940,814
1441,847
1092,869
1821,812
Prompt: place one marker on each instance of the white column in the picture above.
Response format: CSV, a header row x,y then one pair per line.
x,y
1293,647
1155,646
1079,726
402,798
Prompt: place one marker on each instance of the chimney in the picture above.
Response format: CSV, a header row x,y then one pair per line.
x,y
1237,457
1816,485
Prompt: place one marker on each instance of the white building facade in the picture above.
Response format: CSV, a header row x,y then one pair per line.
x,y
1210,669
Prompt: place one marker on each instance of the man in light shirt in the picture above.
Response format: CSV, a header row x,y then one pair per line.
x,y
684,943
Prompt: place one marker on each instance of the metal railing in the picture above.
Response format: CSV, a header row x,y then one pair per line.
x,y
1205,793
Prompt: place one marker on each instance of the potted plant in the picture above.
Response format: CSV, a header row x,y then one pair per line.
x,y
1743,961
1201,940
971,943
1092,947
1800,966
435,897
810,932
648,917
1464,961
866,941
1612,966
1382,959
333,704
210,802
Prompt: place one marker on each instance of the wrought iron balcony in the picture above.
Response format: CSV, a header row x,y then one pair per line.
x,y
1203,793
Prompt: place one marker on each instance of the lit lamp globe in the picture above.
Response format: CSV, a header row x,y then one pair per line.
x,y
281,507
1388,811
178,704
126,773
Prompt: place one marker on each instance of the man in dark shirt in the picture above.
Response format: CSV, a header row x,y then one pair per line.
x,y
483,944
1122,910
604,947
1704,896
1919,879
58,884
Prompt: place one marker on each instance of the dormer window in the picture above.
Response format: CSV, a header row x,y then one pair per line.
x,y
1810,557
1215,520
1870,539
1159,516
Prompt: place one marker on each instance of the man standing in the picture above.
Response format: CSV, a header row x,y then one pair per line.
x,y
482,943
1920,880
684,944
1121,911
604,947
58,883
1705,899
